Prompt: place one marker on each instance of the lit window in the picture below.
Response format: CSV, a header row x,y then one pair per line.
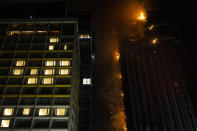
x,y
50,63
17,71
86,81
54,40
43,112
49,71
51,47
26,111
63,71
85,36
60,111
20,63
47,81
64,63
5,123
8,111
10,33
65,47
32,81
34,72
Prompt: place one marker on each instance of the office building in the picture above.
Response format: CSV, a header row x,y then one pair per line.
x,y
40,74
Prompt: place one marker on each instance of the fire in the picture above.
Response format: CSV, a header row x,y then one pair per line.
x,y
141,17
117,55
155,41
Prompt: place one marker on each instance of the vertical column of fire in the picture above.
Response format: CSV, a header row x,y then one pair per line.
x,y
118,21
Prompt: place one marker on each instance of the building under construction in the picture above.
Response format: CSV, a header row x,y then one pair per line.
x,y
156,96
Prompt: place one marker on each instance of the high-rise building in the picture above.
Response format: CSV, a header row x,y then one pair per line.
x,y
156,96
39,74
46,71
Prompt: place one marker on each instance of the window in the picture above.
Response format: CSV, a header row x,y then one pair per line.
x,y
8,111
64,63
49,71
65,47
54,40
43,111
60,111
17,71
47,81
51,47
50,63
32,81
86,81
85,36
5,123
20,63
34,72
63,71
26,111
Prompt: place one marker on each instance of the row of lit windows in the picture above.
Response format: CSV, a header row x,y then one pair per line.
x,y
26,112
51,47
44,80
42,111
46,71
47,63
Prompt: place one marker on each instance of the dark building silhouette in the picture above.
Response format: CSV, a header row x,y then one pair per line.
x,y
46,70
156,96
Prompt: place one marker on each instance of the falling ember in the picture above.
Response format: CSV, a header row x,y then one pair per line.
x,y
151,27
155,41
141,17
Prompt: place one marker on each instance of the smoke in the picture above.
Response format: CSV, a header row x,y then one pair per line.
x,y
114,21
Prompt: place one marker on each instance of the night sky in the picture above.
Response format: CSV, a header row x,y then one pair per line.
x,y
104,19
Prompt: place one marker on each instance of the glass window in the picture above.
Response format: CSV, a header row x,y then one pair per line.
x,y
65,47
64,63
26,111
86,81
50,63
43,111
17,71
5,123
60,111
54,40
49,71
47,81
51,47
34,72
63,71
32,81
20,63
8,111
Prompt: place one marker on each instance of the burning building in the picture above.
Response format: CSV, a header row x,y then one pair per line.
x,y
156,96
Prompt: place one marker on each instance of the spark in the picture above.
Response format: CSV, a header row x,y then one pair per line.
x,y
151,27
155,41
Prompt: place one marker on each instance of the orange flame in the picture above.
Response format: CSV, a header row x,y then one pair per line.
x,y
141,17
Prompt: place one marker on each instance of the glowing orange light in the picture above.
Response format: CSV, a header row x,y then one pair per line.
x,y
155,41
141,17
117,55
151,27
119,76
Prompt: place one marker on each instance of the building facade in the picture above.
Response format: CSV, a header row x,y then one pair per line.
x,y
40,75
156,96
